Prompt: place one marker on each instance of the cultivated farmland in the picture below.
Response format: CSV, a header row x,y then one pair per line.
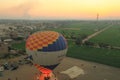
x,y
100,55
81,28
110,36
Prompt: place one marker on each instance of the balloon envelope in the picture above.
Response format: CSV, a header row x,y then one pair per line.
x,y
47,48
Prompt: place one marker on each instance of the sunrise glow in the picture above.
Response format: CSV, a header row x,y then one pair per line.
x,y
63,9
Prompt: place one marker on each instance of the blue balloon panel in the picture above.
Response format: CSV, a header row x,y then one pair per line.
x,y
59,44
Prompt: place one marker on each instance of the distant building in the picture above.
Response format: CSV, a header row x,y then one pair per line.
x,y
3,49
0,40
1,68
13,35
8,40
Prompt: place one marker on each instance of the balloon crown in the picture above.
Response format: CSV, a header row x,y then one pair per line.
x,y
46,41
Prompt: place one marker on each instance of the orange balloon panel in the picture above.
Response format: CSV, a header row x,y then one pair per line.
x,y
41,39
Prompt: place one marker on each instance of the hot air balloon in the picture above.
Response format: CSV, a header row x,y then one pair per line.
x,y
46,48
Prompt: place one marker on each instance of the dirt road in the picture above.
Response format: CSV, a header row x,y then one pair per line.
x,y
94,34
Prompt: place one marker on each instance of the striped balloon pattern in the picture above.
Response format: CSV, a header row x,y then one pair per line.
x,y
47,48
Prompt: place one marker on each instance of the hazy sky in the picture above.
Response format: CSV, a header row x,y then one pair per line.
x,y
60,9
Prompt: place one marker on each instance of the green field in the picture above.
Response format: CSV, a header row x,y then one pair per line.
x,y
82,28
19,46
110,36
104,56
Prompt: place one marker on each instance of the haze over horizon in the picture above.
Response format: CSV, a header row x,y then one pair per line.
x,y
59,9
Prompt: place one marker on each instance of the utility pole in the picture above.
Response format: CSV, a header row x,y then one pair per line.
x,y
97,16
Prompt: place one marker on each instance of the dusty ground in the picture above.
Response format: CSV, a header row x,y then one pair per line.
x,y
93,71
100,72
